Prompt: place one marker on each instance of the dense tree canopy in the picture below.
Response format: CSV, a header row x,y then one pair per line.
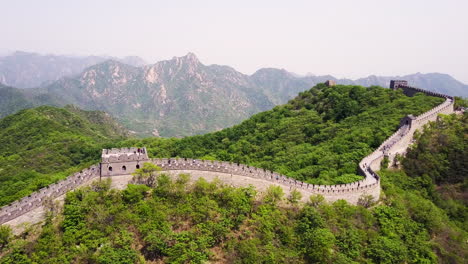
x,y
42,145
319,137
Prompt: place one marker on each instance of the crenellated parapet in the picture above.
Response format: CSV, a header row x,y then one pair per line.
x,y
411,91
339,191
122,161
125,161
398,143
52,191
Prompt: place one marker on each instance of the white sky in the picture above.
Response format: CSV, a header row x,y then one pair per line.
x,y
348,38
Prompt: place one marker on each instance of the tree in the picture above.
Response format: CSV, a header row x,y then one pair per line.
x,y
316,200
146,174
5,235
366,200
135,193
273,195
294,197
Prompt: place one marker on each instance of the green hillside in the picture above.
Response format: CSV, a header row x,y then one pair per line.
x,y
318,137
176,222
44,144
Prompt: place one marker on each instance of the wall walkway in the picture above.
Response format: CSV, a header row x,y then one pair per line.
x,y
370,185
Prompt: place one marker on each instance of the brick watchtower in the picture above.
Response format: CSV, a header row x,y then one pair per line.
x,y
394,84
330,83
122,161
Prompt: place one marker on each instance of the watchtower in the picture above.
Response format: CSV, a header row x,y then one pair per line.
x,y
407,121
330,83
122,161
395,84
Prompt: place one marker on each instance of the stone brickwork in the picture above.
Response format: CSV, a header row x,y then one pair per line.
x,y
52,191
122,161
125,161
350,192
330,83
402,138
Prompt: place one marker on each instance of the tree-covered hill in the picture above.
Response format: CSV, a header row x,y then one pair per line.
x,y
44,144
437,167
318,137
173,221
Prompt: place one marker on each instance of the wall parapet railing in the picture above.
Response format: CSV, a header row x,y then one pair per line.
x,y
36,199
368,166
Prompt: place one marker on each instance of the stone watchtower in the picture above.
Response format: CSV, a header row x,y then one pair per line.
x,y
394,84
330,83
122,161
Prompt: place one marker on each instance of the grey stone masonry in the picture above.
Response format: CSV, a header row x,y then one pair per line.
x,y
330,192
52,191
125,161
122,161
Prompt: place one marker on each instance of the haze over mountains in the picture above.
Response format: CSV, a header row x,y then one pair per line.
x,y
26,70
176,97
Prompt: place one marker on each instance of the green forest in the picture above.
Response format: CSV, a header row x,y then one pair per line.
x,y
318,137
45,144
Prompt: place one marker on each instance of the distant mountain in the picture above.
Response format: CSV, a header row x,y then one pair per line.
x,y
27,70
182,96
437,82
280,84
176,97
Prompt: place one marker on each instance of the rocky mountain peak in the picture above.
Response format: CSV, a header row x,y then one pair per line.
x,y
190,59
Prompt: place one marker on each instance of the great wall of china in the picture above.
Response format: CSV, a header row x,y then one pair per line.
x,y
120,162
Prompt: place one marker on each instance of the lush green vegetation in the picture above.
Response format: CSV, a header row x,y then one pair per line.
x,y
319,137
42,145
171,221
438,167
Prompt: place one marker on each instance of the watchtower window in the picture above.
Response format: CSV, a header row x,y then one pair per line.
x,y
138,166
110,168
407,122
124,168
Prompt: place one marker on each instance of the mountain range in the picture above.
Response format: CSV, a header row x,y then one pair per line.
x,y
182,96
26,70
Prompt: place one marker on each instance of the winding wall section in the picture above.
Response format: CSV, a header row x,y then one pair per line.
x,y
126,164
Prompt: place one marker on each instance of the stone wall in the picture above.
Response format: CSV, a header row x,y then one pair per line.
x,y
403,137
123,161
351,192
52,191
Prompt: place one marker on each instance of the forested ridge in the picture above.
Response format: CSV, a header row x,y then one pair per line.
x,y
42,145
421,217
319,137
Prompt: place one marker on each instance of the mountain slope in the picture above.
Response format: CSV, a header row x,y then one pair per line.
x,y
182,96
170,98
437,82
27,70
318,137
282,86
41,145
173,221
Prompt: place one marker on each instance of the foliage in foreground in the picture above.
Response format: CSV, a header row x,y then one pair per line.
x,y
175,222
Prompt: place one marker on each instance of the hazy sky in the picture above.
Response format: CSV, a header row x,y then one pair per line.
x,y
348,38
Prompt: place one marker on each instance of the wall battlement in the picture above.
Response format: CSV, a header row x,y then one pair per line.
x,y
125,161
52,191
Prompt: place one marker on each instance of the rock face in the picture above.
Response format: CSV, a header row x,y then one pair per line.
x,y
27,70
177,97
